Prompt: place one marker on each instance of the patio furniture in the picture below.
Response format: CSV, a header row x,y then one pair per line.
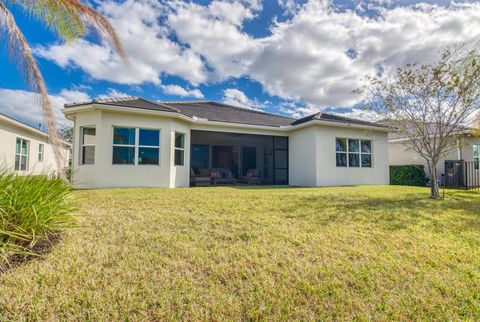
x,y
222,176
200,179
251,177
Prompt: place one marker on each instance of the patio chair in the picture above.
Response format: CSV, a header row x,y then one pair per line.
x,y
251,177
222,176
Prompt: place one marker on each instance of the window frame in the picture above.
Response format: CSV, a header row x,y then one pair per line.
x,y
175,148
347,153
41,152
137,146
82,145
20,154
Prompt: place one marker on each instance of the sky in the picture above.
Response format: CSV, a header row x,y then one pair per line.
x,y
287,57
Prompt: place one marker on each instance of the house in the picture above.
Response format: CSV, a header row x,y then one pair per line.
x,y
135,142
468,149
26,150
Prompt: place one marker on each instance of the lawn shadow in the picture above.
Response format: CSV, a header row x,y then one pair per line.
x,y
43,247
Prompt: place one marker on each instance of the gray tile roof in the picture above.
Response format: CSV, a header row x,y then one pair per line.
x,y
214,111
226,113
129,101
336,118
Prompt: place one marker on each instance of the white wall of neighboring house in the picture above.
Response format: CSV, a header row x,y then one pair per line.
x,y
403,155
10,130
313,157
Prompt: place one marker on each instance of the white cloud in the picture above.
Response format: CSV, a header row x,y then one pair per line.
x,y
183,92
145,39
214,32
305,58
235,97
112,93
318,57
25,106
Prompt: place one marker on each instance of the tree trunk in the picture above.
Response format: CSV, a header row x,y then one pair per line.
x,y
435,191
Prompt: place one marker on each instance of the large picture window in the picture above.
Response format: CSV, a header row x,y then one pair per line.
x,y
21,155
136,146
88,145
476,155
353,153
179,148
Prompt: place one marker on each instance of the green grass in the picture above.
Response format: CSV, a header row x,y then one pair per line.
x,y
368,253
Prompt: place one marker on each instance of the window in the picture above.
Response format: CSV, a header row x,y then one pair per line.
x,y
476,155
200,156
40,152
123,145
353,153
136,146
179,148
21,155
148,149
88,145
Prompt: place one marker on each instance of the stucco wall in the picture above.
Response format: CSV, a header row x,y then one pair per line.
x,y
328,174
104,174
313,157
400,154
302,157
8,138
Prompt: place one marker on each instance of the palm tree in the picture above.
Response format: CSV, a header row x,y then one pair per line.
x,y
69,19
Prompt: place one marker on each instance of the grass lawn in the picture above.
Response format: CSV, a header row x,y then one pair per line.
x,y
257,253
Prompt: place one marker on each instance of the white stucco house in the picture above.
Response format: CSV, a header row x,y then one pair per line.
x,y
134,142
26,150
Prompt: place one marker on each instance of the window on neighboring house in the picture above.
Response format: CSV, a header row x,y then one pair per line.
x,y
136,146
40,152
179,148
88,145
21,155
476,155
353,153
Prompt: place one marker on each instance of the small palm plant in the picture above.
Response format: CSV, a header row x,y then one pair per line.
x,y
69,19
32,208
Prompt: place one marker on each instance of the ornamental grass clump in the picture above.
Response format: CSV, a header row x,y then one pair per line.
x,y
32,209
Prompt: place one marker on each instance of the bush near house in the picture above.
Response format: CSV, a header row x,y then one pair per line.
x,y
32,208
408,175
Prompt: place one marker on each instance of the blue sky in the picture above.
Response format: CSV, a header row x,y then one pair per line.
x,y
280,56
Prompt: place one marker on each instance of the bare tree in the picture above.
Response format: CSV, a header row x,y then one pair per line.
x,y
69,19
429,104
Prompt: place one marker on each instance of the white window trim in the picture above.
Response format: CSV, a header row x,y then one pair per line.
x,y
137,146
359,153
27,159
179,149
41,152
82,145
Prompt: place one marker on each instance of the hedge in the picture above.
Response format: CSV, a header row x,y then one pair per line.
x,y
408,175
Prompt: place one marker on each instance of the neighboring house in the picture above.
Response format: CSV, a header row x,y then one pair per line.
x,y
25,149
134,142
468,149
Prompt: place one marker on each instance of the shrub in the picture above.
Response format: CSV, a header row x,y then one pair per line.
x,y
408,175
32,208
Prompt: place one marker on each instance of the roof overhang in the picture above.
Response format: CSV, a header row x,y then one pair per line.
x,y
28,128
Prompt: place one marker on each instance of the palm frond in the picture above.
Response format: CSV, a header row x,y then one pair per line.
x,y
70,19
20,52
